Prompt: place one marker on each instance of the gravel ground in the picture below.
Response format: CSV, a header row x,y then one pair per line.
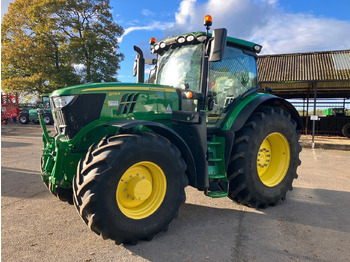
x,y
312,225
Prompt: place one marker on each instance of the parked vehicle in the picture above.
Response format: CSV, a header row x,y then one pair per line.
x,y
9,107
31,113
123,153
337,120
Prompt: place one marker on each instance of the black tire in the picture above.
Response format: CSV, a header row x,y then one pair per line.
x,y
23,119
47,119
346,130
273,128
65,194
99,177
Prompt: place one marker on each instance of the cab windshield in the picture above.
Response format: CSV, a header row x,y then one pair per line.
x,y
180,66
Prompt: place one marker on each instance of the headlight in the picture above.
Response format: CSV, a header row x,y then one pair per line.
x,y
162,45
181,40
189,38
257,48
62,101
201,38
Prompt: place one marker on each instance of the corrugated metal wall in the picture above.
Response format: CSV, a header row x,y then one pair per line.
x,y
314,66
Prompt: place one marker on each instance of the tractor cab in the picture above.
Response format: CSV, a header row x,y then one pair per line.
x,y
212,71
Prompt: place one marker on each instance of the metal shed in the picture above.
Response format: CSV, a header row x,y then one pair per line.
x,y
297,75
312,75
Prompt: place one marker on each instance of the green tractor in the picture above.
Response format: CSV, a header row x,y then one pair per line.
x,y
30,113
123,153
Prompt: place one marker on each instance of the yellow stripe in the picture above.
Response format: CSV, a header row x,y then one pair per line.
x,y
155,89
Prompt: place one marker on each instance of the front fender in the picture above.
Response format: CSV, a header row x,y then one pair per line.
x,y
169,134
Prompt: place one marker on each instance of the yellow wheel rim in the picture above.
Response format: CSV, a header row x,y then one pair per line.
x,y
273,159
141,190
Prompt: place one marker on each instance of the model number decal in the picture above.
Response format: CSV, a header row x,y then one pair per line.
x,y
113,103
114,93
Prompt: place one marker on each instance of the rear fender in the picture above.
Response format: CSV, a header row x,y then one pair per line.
x,y
239,116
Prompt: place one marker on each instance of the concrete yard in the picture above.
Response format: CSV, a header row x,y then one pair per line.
x,y
313,224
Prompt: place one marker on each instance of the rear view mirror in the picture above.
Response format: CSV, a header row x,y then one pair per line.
x,y
218,44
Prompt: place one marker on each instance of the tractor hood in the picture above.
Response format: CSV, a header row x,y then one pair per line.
x,y
78,107
110,87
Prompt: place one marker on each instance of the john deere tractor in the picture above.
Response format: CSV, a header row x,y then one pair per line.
x,y
123,153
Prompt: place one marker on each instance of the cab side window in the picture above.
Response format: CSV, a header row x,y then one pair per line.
x,y
231,77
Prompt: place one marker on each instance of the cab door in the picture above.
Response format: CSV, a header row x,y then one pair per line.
x,y
229,78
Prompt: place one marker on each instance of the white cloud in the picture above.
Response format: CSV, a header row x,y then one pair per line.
x,y
264,22
186,10
302,33
154,25
147,12
239,17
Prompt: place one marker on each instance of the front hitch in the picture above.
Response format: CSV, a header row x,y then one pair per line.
x,y
47,156
46,136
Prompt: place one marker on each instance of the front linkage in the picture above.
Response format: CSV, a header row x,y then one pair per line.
x,y
57,177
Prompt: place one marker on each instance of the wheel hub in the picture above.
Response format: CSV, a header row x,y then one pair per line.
x,y
141,190
264,155
273,159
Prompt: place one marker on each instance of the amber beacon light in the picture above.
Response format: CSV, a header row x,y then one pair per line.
x,y
208,21
152,41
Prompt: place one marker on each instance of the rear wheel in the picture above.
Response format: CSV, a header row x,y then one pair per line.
x,y
265,158
128,189
23,119
346,130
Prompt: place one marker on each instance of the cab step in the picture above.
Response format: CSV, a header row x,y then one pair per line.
x,y
214,159
217,194
218,182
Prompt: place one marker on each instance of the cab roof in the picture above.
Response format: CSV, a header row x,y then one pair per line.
x,y
231,41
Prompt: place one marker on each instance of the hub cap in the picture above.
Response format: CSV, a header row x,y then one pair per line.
x,y
46,119
273,159
141,190
22,119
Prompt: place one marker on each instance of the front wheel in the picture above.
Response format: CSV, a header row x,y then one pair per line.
x,y
47,119
129,187
265,158
23,119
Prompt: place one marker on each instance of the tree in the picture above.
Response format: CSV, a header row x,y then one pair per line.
x,y
92,37
33,56
43,42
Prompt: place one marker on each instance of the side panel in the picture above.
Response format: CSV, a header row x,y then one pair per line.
x,y
194,132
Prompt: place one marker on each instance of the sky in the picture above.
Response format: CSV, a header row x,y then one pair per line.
x,y
280,26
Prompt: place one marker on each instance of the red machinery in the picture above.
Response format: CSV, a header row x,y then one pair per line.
x,y
9,107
